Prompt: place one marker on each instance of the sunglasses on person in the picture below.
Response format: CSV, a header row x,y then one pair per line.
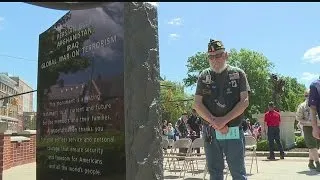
x,y
215,56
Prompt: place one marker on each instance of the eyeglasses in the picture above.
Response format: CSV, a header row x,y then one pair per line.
x,y
215,56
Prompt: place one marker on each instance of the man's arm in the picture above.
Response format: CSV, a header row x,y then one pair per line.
x,y
202,110
240,107
201,91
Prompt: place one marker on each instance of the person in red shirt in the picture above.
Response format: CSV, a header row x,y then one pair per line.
x,y
272,119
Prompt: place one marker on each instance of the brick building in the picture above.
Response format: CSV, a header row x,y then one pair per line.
x,y
9,106
12,109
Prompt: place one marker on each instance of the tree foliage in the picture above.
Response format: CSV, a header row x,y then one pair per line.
x,y
257,67
174,101
293,94
258,70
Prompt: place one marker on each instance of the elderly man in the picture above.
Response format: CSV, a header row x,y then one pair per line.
x,y
221,98
304,118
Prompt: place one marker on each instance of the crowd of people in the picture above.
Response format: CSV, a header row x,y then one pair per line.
x,y
251,129
188,125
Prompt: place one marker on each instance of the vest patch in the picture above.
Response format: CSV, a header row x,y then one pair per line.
x,y
229,91
219,104
234,83
234,76
208,79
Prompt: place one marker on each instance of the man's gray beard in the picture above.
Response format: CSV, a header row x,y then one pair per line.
x,y
218,70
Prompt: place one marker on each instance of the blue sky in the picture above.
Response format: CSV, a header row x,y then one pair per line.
x,y
287,33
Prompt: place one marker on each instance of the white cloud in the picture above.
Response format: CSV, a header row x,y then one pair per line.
x,y
307,76
175,21
154,3
174,36
312,55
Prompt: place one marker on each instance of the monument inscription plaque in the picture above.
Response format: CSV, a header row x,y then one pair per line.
x,y
81,127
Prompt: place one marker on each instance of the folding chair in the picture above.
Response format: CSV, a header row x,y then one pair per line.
x,y
173,154
171,142
251,144
165,146
192,156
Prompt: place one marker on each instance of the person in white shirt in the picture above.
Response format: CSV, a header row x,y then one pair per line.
x,y
304,119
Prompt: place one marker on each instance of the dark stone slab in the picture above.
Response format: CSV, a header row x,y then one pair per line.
x,y
98,95
144,156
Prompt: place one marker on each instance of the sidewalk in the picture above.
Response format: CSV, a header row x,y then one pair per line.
x,y
291,168
23,172
288,154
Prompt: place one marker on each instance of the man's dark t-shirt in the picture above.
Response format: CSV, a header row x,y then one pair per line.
x,y
194,123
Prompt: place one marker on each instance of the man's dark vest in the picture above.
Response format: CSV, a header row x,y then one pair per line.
x,y
225,93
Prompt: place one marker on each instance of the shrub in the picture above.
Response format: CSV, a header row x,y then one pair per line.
x,y
299,141
262,145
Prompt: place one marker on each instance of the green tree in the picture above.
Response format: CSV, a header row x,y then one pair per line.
x,y
258,69
174,101
293,94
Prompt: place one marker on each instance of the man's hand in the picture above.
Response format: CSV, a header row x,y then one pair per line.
x,y
219,122
316,132
224,130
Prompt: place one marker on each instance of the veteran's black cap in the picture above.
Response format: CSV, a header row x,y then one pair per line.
x,y
215,45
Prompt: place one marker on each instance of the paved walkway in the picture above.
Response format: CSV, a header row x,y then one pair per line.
x,y
290,169
23,172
